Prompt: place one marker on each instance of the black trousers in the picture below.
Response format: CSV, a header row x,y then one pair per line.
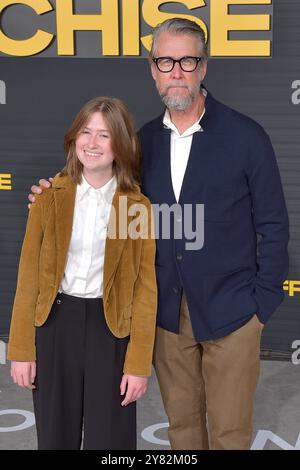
x,y
79,371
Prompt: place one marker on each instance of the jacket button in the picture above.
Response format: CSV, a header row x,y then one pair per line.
x,y
176,290
58,301
179,256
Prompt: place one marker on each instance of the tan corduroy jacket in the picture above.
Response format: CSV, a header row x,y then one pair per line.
x,y
129,285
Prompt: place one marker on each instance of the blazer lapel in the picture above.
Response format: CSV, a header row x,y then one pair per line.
x,y
195,173
163,152
156,175
64,198
117,234
202,154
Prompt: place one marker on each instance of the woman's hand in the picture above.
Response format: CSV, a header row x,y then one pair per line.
x,y
134,386
23,373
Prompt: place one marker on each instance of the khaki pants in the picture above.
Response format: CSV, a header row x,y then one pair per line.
x,y
208,388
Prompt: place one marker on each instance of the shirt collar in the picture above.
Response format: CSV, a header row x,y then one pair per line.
x,y
106,192
196,127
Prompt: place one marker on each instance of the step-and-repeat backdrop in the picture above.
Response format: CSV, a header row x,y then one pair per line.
x,y
55,55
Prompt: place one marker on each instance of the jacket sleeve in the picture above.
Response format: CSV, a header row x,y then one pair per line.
x,y
21,345
138,358
272,225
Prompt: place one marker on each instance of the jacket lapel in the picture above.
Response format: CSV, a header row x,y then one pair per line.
x,y
202,158
64,198
117,233
156,165
163,153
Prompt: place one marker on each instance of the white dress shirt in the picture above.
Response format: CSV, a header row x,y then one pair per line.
x,y
180,146
83,276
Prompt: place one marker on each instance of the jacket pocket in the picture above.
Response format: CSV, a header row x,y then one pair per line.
x,y
127,312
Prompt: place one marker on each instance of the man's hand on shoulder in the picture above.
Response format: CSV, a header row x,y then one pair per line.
x,y
38,190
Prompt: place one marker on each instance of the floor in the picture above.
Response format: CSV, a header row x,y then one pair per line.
x,y
276,415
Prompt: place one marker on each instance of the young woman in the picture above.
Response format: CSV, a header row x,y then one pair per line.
x,y
83,320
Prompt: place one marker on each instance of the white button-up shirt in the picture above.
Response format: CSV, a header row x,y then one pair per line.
x,y
180,147
83,275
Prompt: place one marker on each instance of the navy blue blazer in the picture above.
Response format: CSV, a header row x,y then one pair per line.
x,y
240,269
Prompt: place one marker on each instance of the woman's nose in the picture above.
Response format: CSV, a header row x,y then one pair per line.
x,y
93,140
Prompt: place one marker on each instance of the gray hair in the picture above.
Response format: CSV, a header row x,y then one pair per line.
x,y
180,26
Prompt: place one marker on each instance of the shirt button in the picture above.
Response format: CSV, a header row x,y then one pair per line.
x,y
179,256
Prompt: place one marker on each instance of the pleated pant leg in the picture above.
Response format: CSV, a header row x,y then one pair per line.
x,y
107,424
208,388
79,370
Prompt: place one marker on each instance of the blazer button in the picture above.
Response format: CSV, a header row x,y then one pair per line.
x,y
179,256
58,301
176,290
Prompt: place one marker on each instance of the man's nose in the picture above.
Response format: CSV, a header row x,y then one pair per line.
x,y
177,71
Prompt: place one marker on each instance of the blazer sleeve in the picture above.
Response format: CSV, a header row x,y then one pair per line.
x,y
271,223
138,358
21,345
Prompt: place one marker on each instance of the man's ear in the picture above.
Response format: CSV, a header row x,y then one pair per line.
x,y
153,70
203,70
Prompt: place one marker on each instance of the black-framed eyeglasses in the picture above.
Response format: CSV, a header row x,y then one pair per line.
x,y
166,64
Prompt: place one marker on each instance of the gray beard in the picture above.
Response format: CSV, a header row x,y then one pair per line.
x,y
180,103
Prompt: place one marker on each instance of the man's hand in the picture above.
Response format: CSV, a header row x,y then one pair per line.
x,y
134,387
261,324
23,373
38,189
